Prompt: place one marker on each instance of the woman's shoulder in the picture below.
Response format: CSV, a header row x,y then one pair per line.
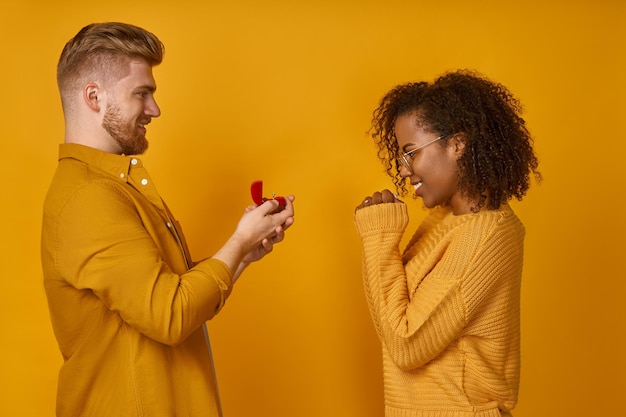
x,y
489,225
472,226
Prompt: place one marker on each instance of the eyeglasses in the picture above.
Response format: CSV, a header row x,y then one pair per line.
x,y
406,158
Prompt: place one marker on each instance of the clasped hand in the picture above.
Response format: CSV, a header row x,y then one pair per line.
x,y
384,196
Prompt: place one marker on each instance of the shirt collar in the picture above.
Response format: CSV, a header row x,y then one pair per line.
x,y
117,166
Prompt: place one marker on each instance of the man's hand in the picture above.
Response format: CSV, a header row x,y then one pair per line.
x,y
267,244
257,232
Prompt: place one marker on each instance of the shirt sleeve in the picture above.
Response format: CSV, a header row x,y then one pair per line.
x,y
105,248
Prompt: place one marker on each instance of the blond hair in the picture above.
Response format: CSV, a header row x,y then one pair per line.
x,y
102,49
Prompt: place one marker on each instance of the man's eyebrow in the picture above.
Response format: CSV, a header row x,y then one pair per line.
x,y
147,87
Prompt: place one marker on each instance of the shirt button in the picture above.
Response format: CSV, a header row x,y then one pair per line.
x,y
169,225
122,175
133,161
144,182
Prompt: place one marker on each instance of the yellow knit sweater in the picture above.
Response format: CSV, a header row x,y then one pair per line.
x,y
446,310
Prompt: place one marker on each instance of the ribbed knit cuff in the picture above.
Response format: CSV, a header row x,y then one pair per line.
x,y
391,217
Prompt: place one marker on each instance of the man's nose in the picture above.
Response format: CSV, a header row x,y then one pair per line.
x,y
152,109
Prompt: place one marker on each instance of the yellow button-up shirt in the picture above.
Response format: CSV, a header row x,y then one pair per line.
x,y
127,305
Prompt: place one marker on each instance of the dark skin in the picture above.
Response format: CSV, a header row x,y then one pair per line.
x,y
379,197
499,158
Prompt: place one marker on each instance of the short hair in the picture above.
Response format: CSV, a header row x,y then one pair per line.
x,y
102,48
498,156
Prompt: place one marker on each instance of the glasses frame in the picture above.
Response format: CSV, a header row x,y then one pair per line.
x,y
405,159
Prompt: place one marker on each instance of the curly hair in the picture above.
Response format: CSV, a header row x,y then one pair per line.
x,y
498,156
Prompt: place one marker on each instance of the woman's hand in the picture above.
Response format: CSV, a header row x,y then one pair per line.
x,y
384,196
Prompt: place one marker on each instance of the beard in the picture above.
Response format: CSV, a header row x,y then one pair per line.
x,y
127,135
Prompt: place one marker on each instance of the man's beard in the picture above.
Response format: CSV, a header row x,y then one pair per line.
x,y
127,136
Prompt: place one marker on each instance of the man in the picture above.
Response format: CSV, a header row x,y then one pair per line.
x,y
127,304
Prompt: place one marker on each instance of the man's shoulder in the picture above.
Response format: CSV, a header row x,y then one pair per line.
x,y
78,182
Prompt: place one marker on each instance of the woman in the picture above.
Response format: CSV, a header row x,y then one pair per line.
x,y
446,309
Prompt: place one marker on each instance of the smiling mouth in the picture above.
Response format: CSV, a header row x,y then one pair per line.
x,y
142,127
143,123
417,186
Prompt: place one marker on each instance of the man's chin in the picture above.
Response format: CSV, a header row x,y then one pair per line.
x,y
136,147
142,149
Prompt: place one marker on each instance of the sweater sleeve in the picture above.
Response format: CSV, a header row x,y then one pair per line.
x,y
414,328
105,248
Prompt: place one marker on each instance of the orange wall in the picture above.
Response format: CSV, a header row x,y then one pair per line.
x,y
284,92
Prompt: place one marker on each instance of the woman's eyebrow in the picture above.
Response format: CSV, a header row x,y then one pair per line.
x,y
408,145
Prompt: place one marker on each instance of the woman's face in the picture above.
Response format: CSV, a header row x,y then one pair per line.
x,y
434,170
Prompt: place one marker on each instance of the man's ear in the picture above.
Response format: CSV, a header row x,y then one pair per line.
x,y
92,96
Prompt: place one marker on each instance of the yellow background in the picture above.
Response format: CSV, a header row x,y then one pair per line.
x,y
283,91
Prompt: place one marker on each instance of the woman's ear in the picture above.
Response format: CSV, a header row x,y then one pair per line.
x,y
457,143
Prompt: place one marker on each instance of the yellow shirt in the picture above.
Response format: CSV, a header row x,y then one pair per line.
x,y
127,306
446,310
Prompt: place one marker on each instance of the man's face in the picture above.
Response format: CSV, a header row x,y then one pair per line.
x,y
130,107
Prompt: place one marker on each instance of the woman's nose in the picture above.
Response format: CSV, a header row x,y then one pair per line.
x,y
405,172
